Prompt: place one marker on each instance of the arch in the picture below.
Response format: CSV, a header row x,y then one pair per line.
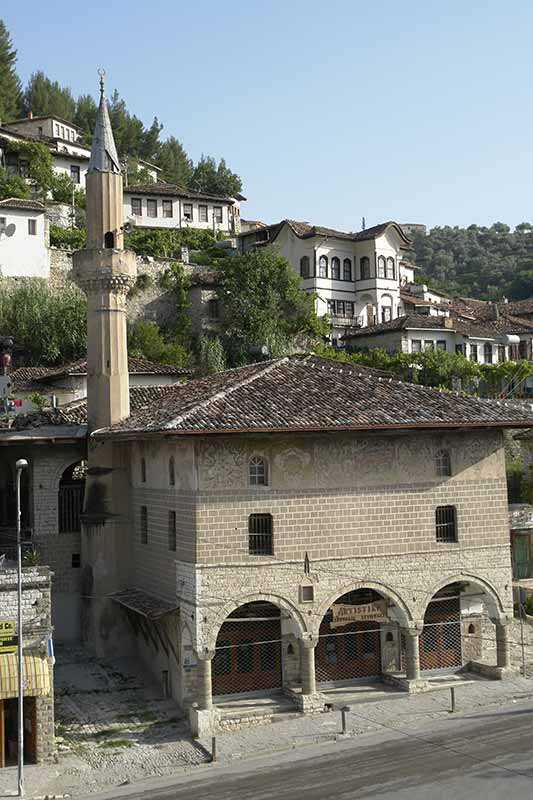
x,y
443,463
70,497
109,240
391,268
381,266
495,604
233,605
404,613
386,308
258,470
323,267
336,268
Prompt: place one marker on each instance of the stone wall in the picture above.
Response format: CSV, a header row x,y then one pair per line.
x,y
37,628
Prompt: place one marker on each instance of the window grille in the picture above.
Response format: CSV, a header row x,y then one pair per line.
x,y
70,505
446,524
171,471
443,463
260,536
172,530
258,471
144,525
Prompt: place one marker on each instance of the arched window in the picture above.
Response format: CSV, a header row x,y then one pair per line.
x,y
70,498
304,267
109,240
336,268
143,470
487,353
391,268
171,471
365,268
381,266
443,463
323,267
258,471
347,269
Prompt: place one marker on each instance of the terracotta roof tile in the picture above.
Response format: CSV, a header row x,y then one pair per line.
x,y
301,393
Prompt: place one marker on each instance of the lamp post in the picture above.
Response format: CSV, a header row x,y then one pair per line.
x,y
21,465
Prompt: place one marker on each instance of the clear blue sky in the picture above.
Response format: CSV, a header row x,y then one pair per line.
x,y
414,111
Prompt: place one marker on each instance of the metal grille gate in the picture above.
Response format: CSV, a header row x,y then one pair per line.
x,y
440,642
353,653
248,655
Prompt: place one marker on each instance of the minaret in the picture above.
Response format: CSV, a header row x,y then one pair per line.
x,y
105,272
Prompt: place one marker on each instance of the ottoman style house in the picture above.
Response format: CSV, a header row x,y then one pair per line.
x,y
288,525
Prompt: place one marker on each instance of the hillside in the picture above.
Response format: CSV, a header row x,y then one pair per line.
x,y
489,263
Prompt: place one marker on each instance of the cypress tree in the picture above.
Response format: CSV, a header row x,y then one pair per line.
x,y
10,88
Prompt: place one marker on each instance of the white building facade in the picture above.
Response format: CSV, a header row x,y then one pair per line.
x,y
23,239
357,277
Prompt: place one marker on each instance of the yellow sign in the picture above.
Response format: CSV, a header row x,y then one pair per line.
x,y
344,614
8,640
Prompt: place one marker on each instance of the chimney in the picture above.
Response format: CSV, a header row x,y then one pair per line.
x,y
494,311
30,114
448,322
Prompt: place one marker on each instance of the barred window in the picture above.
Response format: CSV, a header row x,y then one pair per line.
x,y
258,471
260,535
172,530
143,470
171,471
443,463
446,524
144,525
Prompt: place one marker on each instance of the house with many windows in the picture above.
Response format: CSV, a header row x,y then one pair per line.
x,y
167,206
356,276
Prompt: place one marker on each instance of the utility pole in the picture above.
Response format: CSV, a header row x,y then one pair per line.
x,y
21,465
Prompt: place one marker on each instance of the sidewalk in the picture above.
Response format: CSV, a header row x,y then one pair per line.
x,y
121,732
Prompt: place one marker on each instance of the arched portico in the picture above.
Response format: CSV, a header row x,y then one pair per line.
x,y
254,647
464,627
359,633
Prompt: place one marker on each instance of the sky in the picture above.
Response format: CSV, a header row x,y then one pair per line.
x,y
330,112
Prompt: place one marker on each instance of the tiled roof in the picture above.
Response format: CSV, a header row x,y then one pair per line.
x,y
517,307
309,393
486,328
26,376
305,231
173,190
75,413
24,205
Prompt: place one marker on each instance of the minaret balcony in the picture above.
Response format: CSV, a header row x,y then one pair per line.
x,y
104,268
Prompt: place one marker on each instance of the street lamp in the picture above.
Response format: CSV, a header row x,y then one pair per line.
x,y
21,465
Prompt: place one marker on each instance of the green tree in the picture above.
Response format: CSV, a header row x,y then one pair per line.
x,y
176,165
85,116
212,354
178,282
10,87
37,161
13,186
43,96
49,327
147,340
210,178
263,303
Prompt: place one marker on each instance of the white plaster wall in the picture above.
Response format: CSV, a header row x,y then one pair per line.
x,y
62,164
177,220
22,255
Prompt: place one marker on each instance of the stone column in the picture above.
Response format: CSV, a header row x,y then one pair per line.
x,y
412,637
307,666
503,650
205,688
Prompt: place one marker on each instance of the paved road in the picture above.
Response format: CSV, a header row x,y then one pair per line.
x,y
488,756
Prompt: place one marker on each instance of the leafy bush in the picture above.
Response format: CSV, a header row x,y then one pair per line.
x,y
146,339
49,327
212,355
13,186
70,238
167,244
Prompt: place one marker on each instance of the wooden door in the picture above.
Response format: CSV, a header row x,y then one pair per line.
x,y
521,555
247,657
353,651
440,642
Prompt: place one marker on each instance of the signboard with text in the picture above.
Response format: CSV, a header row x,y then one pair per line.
x,y
344,614
8,639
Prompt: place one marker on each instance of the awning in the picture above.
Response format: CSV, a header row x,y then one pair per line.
x,y
144,604
35,675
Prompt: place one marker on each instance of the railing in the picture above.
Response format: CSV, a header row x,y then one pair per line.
x,y
8,542
70,505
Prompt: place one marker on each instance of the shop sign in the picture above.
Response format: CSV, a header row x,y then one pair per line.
x,y
8,640
344,614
